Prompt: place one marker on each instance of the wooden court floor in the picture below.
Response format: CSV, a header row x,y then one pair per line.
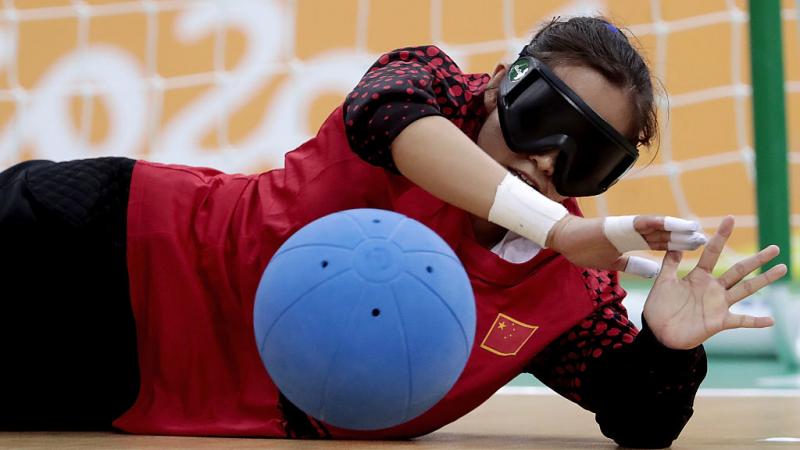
x,y
504,422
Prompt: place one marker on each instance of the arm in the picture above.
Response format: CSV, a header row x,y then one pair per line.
x,y
663,379
402,117
416,114
640,391
444,173
463,175
664,364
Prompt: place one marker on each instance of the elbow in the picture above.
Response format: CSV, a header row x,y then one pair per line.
x,y
642,431
633,438
644,442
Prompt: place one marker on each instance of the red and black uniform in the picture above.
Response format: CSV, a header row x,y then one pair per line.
x,y
604,355
198,241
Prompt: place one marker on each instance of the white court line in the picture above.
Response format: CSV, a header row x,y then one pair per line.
x,y
715,392
525,390
703,392
780,439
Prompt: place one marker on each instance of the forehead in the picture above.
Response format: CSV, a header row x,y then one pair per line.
x,y
612,103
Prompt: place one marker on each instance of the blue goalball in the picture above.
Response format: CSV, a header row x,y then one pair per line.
x,y
364,319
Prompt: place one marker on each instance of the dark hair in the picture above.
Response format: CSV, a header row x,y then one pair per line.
x,y
596,43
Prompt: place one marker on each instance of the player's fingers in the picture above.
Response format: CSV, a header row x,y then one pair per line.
x,y
694,239
629,233
683,242
743,321
749,287
685,245
648,224
690,240
715,245
669,265
657,237
746,266
621,233
620,264
680,225
643,267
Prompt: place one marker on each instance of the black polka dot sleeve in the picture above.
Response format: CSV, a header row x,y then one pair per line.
x,y
403,86
640,391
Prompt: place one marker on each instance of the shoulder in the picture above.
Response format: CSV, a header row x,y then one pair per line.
x,y
428,53
427,59
427,67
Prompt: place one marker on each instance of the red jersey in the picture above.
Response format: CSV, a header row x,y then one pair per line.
x,y
199,240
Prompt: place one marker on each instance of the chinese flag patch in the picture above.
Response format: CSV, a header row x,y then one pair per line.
x,y
507,336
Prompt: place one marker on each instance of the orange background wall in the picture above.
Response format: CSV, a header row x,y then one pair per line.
x,y
236,84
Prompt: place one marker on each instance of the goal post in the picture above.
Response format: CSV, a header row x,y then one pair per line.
x,y
769,127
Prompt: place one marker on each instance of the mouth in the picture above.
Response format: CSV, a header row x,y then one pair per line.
x,y
524,178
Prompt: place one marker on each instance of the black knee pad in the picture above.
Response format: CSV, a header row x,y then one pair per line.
x,y
82,192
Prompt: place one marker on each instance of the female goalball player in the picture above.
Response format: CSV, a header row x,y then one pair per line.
x,y
129,285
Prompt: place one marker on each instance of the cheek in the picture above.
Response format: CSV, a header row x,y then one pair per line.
x,y
491,140
497,149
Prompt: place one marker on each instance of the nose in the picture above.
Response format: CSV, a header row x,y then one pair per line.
x,y
546,161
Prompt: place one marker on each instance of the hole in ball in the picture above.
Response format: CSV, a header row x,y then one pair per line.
x,y
324,264
429,269
376,220
376,312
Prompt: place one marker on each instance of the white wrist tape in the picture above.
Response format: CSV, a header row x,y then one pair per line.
x,y
620,231
521,209
642,267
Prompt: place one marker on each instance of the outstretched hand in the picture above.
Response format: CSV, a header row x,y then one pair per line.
x,y
684,312
585,243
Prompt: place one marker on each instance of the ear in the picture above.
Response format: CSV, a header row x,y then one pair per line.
x,y
490,97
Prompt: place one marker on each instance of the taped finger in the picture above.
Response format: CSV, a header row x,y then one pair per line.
x,y
681,225
621,233
657,236
684,241
681,246
688,238
642,267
